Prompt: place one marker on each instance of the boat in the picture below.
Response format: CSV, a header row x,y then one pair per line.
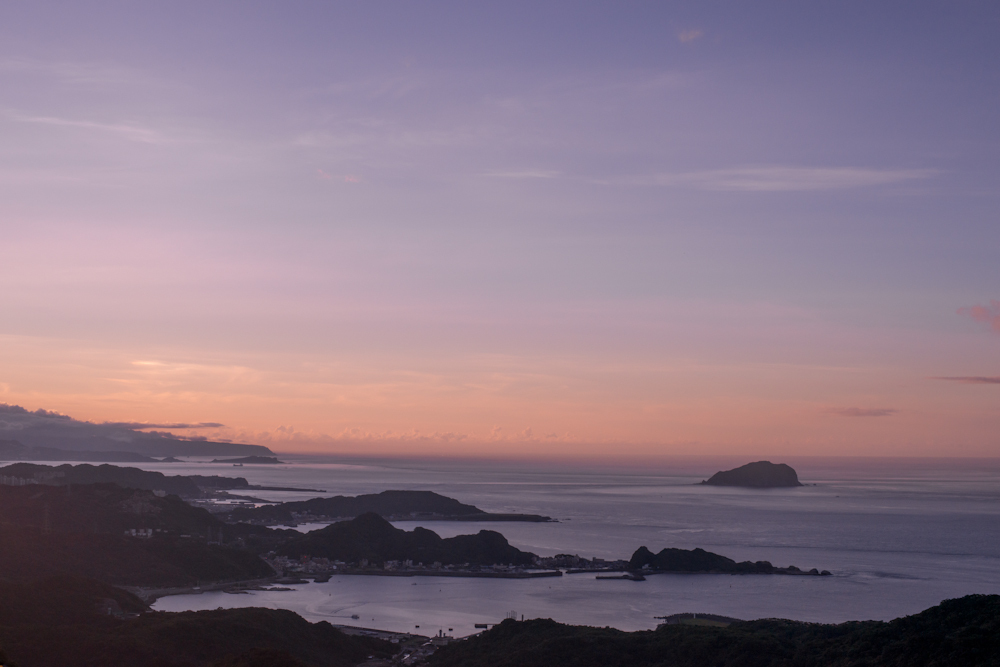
x,y
355,616
237,465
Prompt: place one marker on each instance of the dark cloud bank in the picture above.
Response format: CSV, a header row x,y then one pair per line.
x,y
971,379
863,412
42,431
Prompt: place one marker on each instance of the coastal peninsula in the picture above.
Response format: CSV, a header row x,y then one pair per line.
x,y
393,505
370,539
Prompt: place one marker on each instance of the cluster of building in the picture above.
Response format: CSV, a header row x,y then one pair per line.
x,y
312,565
304,565
573,562
142,533
7,480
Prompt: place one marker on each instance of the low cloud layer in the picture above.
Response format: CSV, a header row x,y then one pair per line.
x,y
783,178
144,425
863,412
971,379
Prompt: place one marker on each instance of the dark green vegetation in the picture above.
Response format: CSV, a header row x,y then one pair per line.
x,y
389,504
699,560
186,486
759,475
69,621
372,538
963,632
80,530
12,450
133,478
61,547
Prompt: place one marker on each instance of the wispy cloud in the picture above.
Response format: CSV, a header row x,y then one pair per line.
x,y
989,315
863,412
126,131
688,36
970,379
783,178
527,173
81,73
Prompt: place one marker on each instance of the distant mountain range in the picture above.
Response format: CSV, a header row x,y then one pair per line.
x,y
42,435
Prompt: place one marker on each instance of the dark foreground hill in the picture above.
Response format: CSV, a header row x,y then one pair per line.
x,y
100,508
388,504
81,530
963,632
70,621
370,537
759,475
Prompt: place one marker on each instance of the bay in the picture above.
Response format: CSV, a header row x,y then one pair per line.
x,y
898,535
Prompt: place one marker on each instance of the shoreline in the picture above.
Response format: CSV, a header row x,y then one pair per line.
x,y
150,595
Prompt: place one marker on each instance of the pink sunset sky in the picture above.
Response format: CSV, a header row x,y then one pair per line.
x,y
624,229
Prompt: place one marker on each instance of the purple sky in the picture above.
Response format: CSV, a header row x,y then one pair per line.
x,y
421,226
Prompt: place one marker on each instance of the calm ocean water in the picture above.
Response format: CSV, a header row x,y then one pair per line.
x,y
899,536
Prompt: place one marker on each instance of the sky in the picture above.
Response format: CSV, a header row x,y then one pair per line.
x,y
572,229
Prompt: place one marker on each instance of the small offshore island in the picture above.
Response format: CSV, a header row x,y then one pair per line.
x,y
254,460
759,475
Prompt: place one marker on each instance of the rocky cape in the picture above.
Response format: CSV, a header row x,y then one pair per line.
x,y
52,434
371,538
699,561
396,505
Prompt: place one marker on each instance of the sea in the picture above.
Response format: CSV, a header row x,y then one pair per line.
x,y
898,536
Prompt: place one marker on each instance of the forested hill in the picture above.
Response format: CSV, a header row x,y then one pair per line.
x,y
81,530
372,538
186,486
100,508
963,632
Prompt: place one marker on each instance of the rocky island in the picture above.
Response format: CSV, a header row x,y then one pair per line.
x,y
759,475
